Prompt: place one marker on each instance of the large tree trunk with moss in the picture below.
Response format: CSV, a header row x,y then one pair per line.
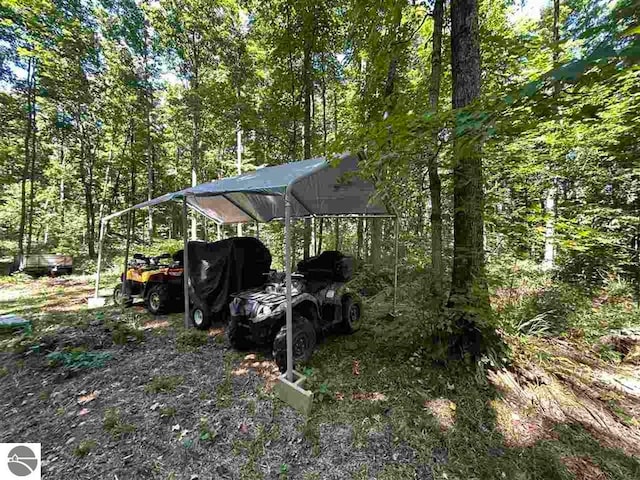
x,y
435,186
468,299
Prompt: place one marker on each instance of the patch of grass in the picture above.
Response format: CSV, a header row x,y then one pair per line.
x,y
59,411
224,391
191,339
77,360
163,384
394,361
254,449
83,449
123,333
397,472
168,412
113,424
361,474
203,396
4,371
251,407
311,476
44,395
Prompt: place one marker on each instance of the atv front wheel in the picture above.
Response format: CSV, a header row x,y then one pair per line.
x,y
304,342
200,317
236,335
119,299
350,315
157,299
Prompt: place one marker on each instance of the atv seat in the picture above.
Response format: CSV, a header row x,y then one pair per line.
x,y
329,266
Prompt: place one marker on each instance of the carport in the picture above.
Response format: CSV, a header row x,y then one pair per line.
x,y
317,187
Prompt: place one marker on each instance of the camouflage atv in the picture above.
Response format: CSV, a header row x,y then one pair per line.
x,y
321,301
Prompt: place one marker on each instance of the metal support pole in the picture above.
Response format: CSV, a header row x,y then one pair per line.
x,y
130,222
258,230
395,273
185,275
100,241
287,260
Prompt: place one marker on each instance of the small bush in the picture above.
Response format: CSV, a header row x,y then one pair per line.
x,y
192,339
547,311
122,333
163,384
83,449
113,424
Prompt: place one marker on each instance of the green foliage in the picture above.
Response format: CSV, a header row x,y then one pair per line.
x,y
113,424
191,339
78,359
163,384
84,448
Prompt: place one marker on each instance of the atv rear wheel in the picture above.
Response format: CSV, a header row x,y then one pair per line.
x,y
304,342
200,317
350,315
157,299
119,299
236,335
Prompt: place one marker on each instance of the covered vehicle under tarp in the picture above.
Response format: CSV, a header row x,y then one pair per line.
x,y
218,269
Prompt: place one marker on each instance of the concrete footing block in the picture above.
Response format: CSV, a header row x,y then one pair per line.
x,y
294,394
96,302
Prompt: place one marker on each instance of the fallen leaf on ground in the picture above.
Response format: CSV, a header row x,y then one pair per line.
x,y
84,399
244,428
83,412
339,396
583,468
444,410
355,368
371,396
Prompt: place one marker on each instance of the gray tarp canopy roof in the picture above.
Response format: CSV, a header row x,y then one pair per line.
x,y
316,187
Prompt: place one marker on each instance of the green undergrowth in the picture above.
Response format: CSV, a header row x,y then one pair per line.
x,y
163,384
113,424
399,369
79,359
191,340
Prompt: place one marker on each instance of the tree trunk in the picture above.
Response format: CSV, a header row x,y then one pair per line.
x,y
239,161
320,227
336,232
360,238
32,173
550,198
308,90
195,144
435,186
27,156
469,291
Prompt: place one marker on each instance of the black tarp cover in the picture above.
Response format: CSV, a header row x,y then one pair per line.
x,y
218,269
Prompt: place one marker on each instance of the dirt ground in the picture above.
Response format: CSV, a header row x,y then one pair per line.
x,y
219,422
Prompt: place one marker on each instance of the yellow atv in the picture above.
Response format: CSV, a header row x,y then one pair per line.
x,y
157,280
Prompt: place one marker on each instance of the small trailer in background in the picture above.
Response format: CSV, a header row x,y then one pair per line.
x,y
44,264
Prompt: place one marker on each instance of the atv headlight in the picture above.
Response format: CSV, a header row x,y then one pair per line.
x,y
263,311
